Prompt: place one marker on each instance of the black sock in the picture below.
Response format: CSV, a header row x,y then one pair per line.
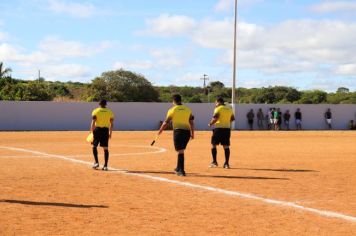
x,y
106,153
95,153
214,153
227,155
181,162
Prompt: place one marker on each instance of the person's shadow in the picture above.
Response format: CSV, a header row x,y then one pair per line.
x,y
209,176
276,170
55,204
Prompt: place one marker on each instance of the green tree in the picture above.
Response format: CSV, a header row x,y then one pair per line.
x,y
4,72
195,99
313,97
37,91
123,86
343,90
216,85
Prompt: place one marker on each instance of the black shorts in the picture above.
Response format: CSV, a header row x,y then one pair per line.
x,y
101,136
221,136
181,138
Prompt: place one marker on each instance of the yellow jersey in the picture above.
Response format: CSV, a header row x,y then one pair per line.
x,y
180,116
103,117
224,115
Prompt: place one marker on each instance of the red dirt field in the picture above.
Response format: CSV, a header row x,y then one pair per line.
x,y
44,192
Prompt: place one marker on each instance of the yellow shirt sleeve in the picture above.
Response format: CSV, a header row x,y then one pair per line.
x,y
95,111
216,112
169,114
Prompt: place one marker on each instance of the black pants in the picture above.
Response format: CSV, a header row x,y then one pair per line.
x,y
181,138
101,136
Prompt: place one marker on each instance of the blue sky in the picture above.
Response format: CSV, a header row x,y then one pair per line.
x,y
304,44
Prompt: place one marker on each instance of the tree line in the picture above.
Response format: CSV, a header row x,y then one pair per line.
x,y
127,86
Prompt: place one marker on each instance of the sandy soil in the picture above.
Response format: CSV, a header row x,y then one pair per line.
x,y
47,195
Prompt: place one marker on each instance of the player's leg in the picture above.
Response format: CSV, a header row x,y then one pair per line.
x,y
104,143
226,144
95,149
214,142
180,163
181,139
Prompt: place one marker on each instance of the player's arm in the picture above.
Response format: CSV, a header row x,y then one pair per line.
x,y
214,119
111,127
92,126
232,118
164,125
192,126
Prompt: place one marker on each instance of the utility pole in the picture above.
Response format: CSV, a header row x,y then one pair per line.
x,y
39,75
234,66
205,78
206,89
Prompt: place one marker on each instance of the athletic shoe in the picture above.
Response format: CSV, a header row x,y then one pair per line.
x,y
176,170
226,166
181,173
96,166
105,168
213,165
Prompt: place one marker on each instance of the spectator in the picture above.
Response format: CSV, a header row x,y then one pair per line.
x,y
267,120
279,122
352,125
286,118
328,117
260,118
270,116
275,119
298,119
250,116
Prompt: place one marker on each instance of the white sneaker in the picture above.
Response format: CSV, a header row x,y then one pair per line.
x,y
96,166
105,168
213,165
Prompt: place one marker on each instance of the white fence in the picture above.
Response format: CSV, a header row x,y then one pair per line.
x,y
146,116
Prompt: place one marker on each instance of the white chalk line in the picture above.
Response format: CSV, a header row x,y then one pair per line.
x,y
325,213
24,157
157,150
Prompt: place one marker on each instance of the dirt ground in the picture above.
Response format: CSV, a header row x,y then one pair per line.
x,y
44,192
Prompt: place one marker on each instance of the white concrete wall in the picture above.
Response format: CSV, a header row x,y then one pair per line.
x,y
145,116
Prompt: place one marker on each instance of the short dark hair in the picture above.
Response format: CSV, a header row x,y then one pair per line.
x,y
177,98
102,102
220,100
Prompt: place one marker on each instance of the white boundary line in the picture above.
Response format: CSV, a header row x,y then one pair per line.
x,y
325,213
7,156
157,150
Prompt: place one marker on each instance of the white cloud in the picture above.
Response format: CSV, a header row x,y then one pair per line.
x,y
77,71
346,70
167,58
334,6
62,48
15,54
287,47
74,9
190,78
134,65
224,5
228,5
159,58
169,25
51,49
50,56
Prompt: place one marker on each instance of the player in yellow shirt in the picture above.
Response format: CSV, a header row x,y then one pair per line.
x,y
102,125
222,118
183,126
